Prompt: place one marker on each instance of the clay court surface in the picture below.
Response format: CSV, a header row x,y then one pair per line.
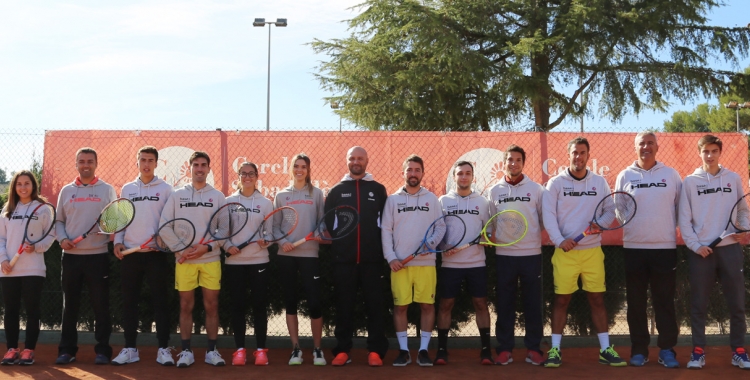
x,y
579,363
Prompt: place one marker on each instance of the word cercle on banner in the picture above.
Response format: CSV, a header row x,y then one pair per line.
x,y
272,152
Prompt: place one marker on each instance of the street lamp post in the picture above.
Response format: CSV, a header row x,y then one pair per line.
x,y
336,105
737,107
261,22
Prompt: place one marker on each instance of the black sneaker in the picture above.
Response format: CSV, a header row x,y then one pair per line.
x,y
101,359
486,357
402,359
65,359
442,357
423,359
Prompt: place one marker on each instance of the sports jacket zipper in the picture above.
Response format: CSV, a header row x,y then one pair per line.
x,y
359,224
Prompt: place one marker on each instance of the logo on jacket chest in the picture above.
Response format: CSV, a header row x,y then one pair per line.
x,y
704,189
402,207
637,184
570,192
454,210
87,198
504,198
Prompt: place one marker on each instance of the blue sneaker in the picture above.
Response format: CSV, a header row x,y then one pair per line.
x,y
697,358
740,359
638,360
667,358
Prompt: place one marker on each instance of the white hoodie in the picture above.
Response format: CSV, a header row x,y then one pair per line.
x,y
569,204
149,200
258,208
406,218
474,211
657,194
526,198
309,206
78,207
11,237
705,204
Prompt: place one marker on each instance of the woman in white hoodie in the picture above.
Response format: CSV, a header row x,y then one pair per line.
x,y
24,281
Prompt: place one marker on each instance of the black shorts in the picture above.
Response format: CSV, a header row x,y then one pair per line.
x,y
450,279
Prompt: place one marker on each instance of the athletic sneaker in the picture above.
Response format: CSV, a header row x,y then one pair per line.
x,y
318,357
668,359
486,356
296,358
185,359
239,357
11,357
261,356
27,357
65,359
442,357
374,360
739,359
341,358
639,360
610,357
402,359
213,357
126,356
554,358
164,356
534,357
101,359
423,359
697,358
504,358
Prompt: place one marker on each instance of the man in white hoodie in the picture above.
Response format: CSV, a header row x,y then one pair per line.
x,y
466,265
408,212
520,262
706,201
149,194
197,202
650,250
568,203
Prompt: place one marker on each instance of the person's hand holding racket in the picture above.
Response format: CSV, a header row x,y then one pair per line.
x,y
443,235
335,224
503,229
614,211
226,222
38,226
115,217
274,227
737,225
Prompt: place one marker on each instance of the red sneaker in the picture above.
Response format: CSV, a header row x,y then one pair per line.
x,y
27,357
11,357
504,358
341,358
534,358
239,357
261,356
374,360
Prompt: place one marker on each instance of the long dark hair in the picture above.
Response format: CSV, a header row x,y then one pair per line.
x,y
247,163
14,198
308,181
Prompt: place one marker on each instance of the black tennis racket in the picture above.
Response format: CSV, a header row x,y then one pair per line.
x,y
173,236
739,220
613,211
444,234
38,226
274,227
226,222
335,224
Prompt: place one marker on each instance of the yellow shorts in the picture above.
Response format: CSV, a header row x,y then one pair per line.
x,y
417,281
190,276
586,263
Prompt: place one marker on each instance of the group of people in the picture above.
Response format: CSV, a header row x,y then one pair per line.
x,y
389,227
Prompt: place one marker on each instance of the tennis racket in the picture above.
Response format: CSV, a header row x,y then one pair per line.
x,y
343,221
444,234
738,220
613,211
507,227
38,226
274,227
115,217
226,222
173,236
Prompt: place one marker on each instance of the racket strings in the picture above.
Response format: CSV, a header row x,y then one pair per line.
x,y
435,234
615,211
344,221
227,221
175,235
40,223
510,227
740,217
117,216
287,222
455,230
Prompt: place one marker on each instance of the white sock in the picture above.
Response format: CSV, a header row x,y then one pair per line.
x,y
402,340
425,341
603,340
556,338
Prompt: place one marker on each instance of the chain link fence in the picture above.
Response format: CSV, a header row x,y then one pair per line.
x,y
52,154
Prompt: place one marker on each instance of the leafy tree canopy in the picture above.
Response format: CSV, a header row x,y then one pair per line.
x,y
482,65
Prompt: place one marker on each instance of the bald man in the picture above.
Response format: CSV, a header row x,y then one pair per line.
x,y
358,260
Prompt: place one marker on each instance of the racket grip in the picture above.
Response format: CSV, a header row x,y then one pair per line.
x,y
579,237
243,245
406,260
715,242
130,250
78,239
462,247
298,242
14,259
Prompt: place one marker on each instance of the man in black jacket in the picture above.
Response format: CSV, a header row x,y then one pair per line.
x,y
359,260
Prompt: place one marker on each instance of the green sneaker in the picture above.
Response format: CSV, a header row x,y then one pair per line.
x,y
554,358
609,356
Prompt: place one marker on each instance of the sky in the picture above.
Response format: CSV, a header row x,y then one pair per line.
x,y
161,64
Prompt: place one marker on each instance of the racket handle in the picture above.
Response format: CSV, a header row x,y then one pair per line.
x,y
406,260
78,239
243,245
462,247
715,242
14,259
129,251
579,237
299,242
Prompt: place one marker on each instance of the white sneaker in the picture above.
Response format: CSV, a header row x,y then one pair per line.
x,y
164,356
318,358
185,359
126,356
214,358
296,358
